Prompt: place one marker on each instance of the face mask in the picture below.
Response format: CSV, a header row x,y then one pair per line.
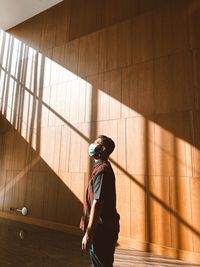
x,y
92,151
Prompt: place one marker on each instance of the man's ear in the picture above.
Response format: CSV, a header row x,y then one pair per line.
x,y
103,148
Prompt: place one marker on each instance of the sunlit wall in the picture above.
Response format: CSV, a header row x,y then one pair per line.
x,y
76,71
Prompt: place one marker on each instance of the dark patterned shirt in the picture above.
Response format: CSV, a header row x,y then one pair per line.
x,y
101,187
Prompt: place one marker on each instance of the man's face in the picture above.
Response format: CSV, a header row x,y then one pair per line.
x,y
100,148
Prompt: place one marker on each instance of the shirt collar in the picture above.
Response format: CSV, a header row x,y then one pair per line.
x,y
99,161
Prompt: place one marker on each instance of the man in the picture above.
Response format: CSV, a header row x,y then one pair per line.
x,y
100,221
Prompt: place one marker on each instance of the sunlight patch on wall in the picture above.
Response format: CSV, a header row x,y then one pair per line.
x,y
46,103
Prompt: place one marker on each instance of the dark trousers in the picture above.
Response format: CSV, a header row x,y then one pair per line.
x,y
103,247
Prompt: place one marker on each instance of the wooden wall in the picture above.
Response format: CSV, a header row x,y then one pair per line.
x,y
128,69
27,180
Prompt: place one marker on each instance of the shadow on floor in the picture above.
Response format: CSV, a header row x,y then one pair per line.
x,y
23,245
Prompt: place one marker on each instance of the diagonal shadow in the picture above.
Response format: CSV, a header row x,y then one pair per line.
x,y
48,203
144,188
92,134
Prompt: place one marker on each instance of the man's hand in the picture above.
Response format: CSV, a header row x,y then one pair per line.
x,y
85,241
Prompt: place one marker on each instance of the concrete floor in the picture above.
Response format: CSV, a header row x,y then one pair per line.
x,y
23,245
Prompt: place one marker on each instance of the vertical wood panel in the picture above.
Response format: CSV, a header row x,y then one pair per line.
x,y
162,34
124,47
140,146
94,98
63,21
120,146
170,28
175,230
48,37
8,144
77,187
142,41
181,204
137,85
10,197
145,89
72,56
56,150
57,105
114,11
102,50
137,211
145,6
111,47
112,94
64,149
160,216
88,55
19,153
83,17
180,36
196,77
196,147
173,157
63,213
58,54
173,77
129,92
50,196
195,191
78,96
193,23
36,185
75,145
136,146
2,187
123,203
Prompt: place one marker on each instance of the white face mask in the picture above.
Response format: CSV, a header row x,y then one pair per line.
x,y
91,150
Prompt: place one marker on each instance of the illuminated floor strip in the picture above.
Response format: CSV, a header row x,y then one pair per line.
x,y
133,258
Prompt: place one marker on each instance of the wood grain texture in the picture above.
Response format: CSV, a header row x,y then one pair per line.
x,y
173,77
193,8
195,148
195,187
88,55
182,218
127,69
58,248
160,216
172,152
142,37
138,213
123,206
137,85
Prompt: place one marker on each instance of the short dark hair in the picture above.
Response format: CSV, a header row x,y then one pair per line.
x,y
108,143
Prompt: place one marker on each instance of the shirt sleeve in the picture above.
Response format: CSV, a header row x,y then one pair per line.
x,y
98,186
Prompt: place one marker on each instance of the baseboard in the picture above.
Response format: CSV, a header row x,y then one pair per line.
x,y
43,223
123,242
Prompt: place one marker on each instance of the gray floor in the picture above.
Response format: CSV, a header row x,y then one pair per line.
x,y
23,245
